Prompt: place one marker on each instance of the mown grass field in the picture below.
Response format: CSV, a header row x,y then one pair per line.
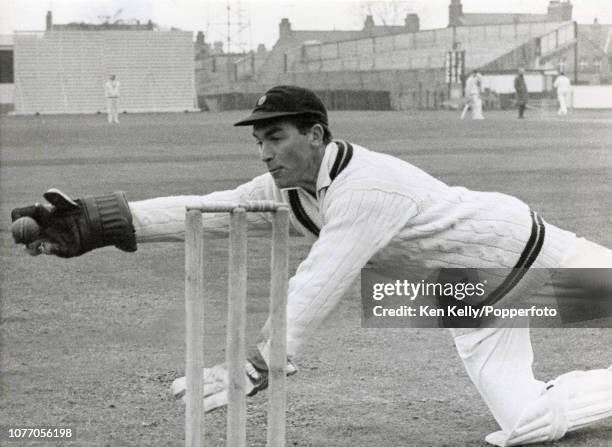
x,y
95,342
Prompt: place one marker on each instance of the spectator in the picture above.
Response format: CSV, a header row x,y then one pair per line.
x,y
522,95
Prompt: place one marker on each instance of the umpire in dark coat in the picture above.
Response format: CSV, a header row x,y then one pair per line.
x,y
522,95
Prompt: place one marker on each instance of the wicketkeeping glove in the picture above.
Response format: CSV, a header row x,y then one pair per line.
x,y
72,227
216,384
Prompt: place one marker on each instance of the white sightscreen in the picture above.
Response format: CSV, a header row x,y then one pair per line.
x,y
65,71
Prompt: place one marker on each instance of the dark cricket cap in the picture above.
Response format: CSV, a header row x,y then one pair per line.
x,y
286,100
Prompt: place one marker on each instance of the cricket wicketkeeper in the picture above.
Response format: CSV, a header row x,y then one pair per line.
x,y
360,208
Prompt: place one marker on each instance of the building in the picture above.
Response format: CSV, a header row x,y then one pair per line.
x,y
408,65
377,66
236,80
588,62
558,11
594,57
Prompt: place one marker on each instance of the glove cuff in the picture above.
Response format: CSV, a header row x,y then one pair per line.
x,y
110,222
255,358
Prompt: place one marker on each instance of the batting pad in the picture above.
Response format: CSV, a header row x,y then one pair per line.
x,y
572,401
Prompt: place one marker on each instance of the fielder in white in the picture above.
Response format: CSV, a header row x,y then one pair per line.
x,y
563,86
360,208
111,91
473,89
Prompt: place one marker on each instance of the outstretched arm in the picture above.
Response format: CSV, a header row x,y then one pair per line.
x,y
163,218
69,227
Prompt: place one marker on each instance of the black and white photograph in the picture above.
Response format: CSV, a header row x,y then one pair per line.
x,y
306,223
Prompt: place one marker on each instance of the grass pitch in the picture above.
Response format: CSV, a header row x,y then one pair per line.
x,y
95,342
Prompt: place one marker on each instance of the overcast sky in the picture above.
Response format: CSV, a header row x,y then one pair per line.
x,y
263,16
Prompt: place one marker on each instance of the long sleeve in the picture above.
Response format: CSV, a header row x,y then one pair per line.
x,y
358,223
163,219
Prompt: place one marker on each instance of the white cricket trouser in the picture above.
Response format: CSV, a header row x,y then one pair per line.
x,y
112,109
562,98
476,104
499,360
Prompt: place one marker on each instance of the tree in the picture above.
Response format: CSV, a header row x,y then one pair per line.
x,y
387,12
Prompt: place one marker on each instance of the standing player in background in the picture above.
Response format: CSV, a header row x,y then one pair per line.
x,y
563,86
111,90
473,89
357,208
522,94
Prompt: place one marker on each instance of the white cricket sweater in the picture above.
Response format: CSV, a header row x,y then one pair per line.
x,y
472,86
562,84
111,88
380,211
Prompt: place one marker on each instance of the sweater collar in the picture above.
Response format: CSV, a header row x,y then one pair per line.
x,y
337,155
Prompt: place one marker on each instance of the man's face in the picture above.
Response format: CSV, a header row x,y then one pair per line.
x,y
287,153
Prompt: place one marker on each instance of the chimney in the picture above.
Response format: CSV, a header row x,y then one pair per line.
x,y
567,10
218,47
284,28
261,49
455,11
559,11
411,22
200,38
368,25
49,20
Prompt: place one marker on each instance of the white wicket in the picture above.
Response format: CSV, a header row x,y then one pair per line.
x,y
235,348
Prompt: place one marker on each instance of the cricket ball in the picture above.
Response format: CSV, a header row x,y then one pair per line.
x,y
25,230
